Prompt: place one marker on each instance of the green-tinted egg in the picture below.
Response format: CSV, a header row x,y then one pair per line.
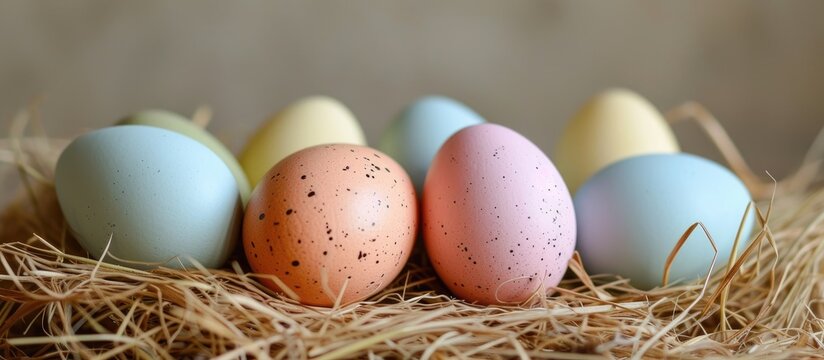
x,y
179,124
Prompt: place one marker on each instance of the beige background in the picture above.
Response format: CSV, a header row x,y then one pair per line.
x,y
759,65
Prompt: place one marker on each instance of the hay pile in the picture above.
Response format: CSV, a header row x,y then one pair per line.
x,y
55,302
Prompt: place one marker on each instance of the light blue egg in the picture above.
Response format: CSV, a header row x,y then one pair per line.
x,y
632,213
157,194
420,130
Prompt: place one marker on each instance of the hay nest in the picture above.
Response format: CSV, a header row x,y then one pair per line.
x,y
56,302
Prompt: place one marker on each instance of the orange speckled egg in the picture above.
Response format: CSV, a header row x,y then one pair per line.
x,y
346,211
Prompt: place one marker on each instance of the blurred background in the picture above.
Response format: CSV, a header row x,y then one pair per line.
x,y
757,65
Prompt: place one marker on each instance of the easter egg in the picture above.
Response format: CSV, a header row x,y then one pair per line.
x,y
155,193
418,132
613,125
498,221
308,122
331,219
632,213
179,124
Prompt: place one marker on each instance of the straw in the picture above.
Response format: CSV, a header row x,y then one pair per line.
x,y
55,302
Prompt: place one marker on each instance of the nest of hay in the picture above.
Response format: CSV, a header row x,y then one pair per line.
x,y
56,302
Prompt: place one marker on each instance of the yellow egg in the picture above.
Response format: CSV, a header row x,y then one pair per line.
x,y
613,125
311,121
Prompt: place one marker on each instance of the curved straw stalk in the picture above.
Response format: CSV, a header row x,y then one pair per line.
x,y
760,188
56,302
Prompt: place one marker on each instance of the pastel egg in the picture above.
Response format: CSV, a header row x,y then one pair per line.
x,y
161,197
418,132
308,122
498,220
331,219
179,124
613,125
632,213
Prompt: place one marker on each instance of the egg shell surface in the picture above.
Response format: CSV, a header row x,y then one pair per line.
x,y
418,132
179,124
311,121
157,194
632,213
613,125
498,219
346,212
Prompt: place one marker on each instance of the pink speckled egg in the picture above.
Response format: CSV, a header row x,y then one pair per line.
x,y
331,215
498,220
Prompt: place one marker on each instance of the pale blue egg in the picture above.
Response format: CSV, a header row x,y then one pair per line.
x,y
633,212
420,130
157,194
